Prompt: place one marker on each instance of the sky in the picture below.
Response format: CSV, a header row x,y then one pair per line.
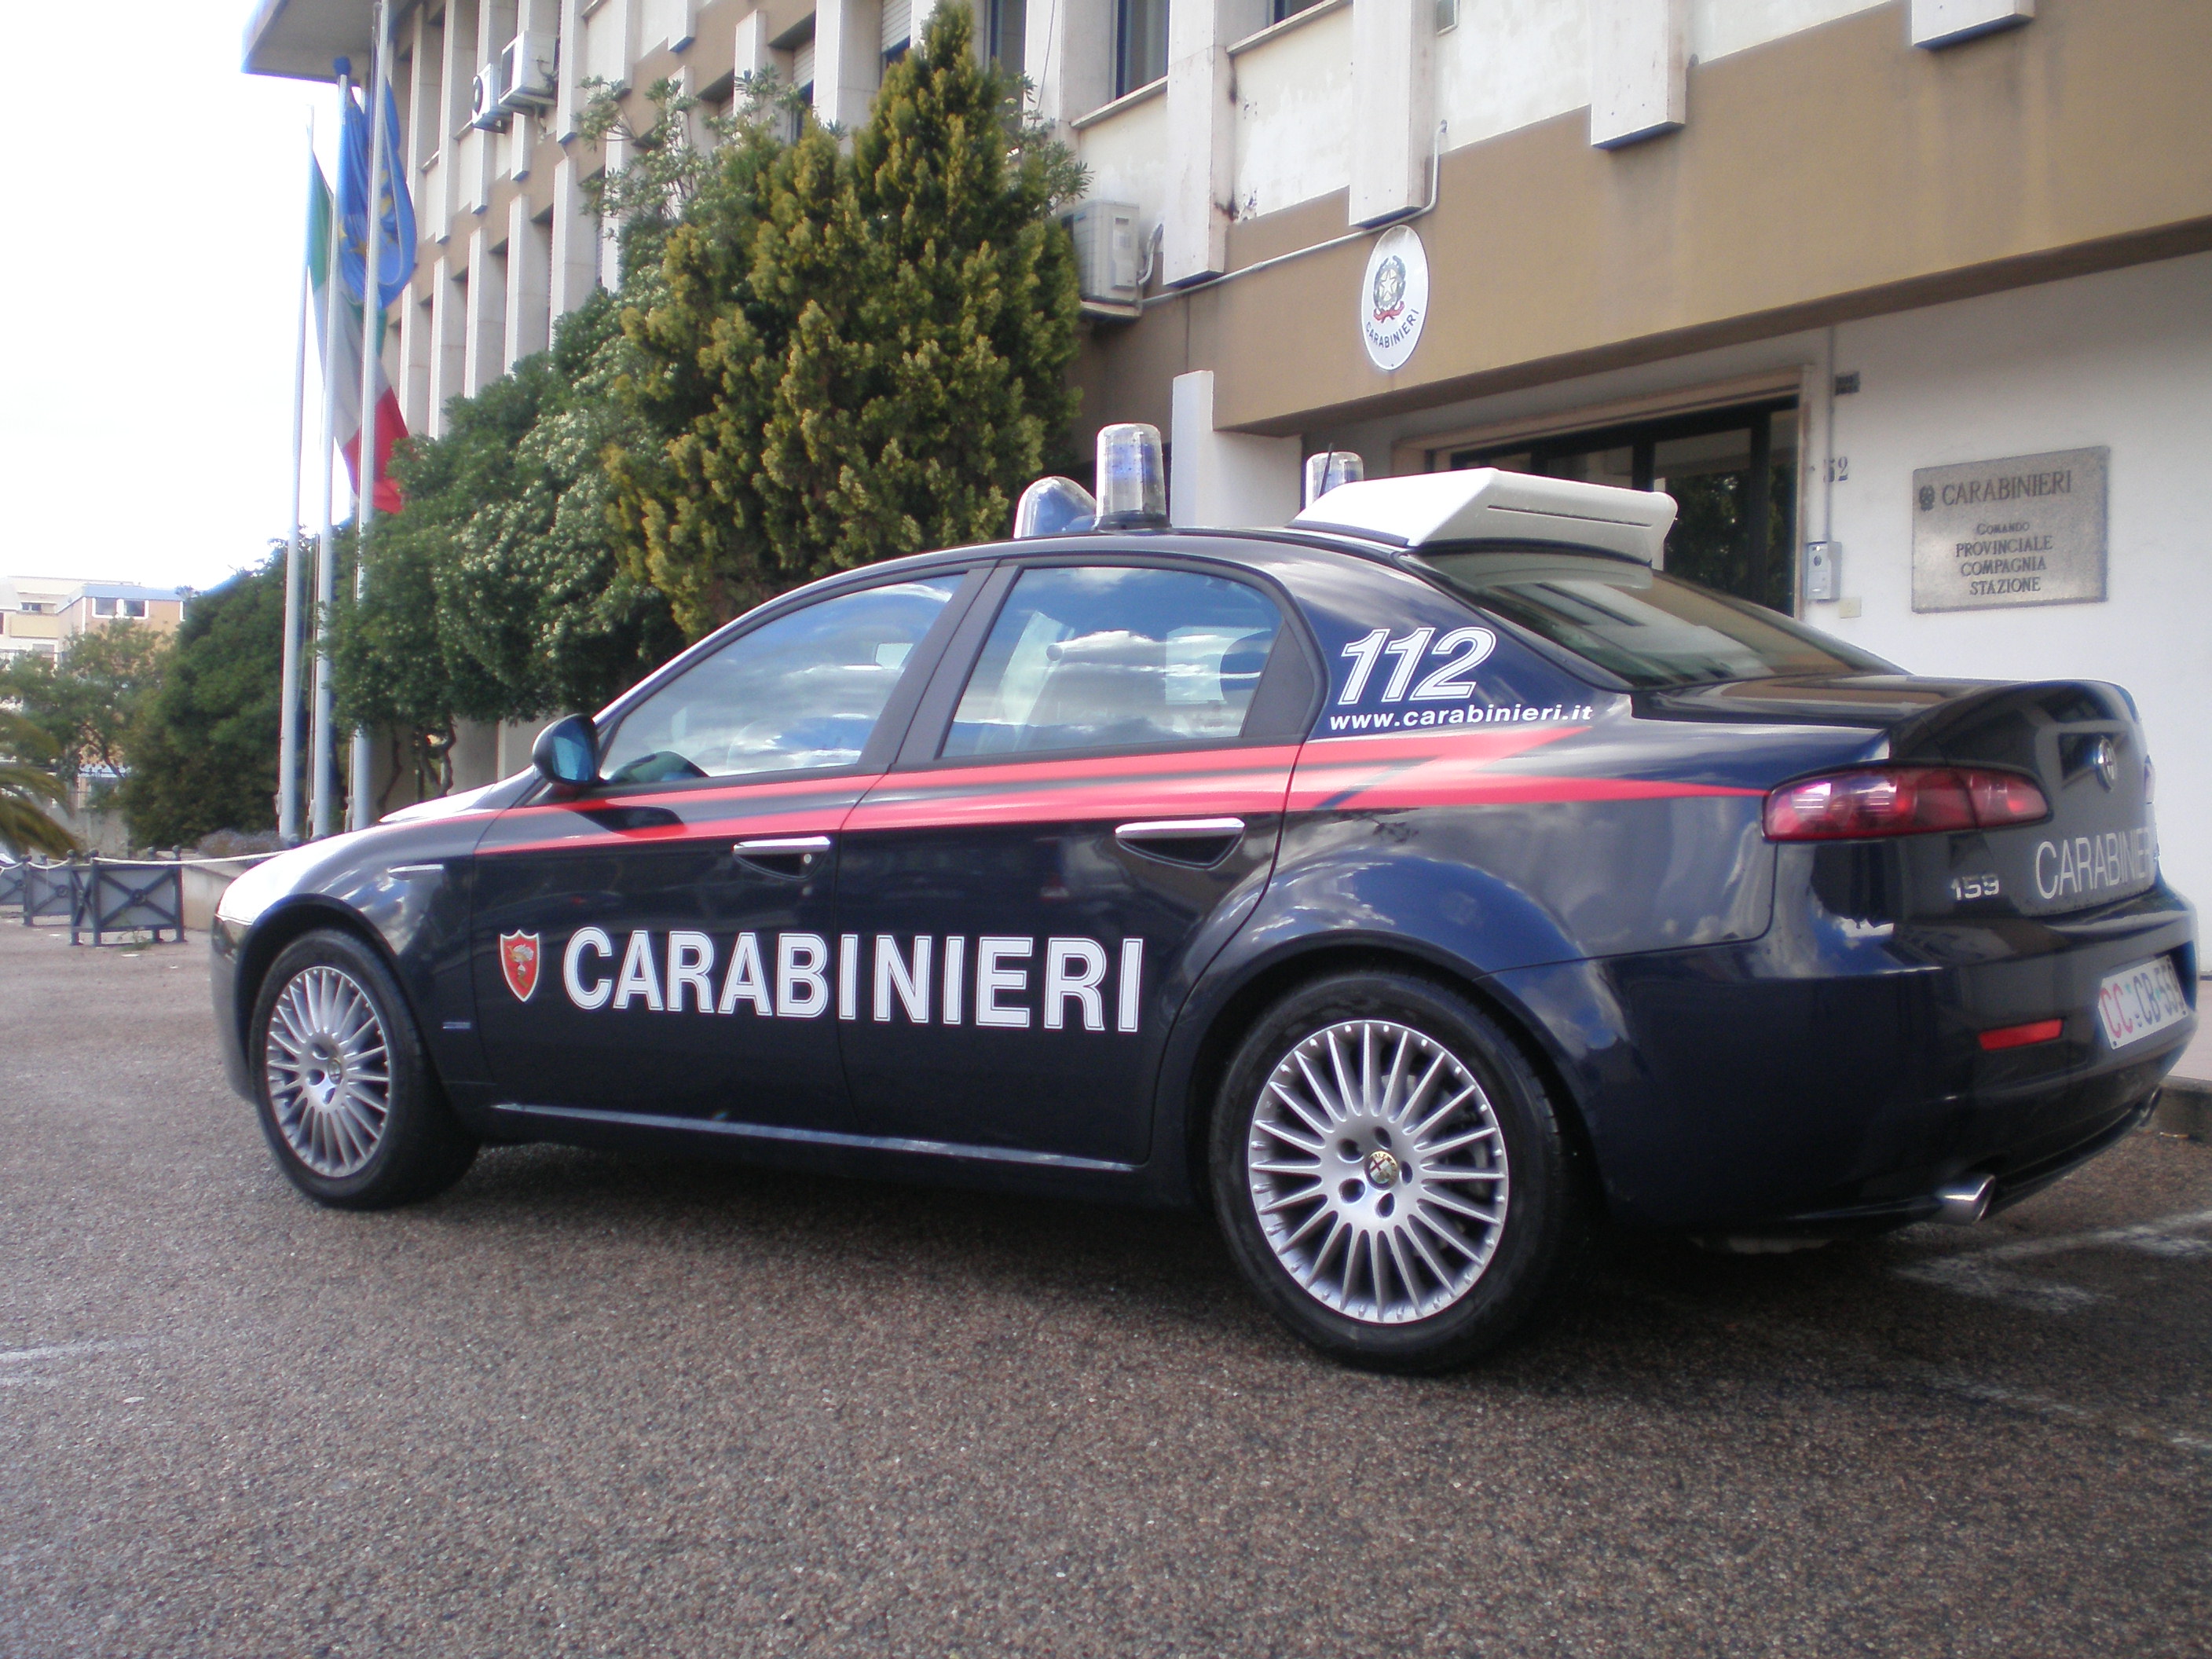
x,y
151,278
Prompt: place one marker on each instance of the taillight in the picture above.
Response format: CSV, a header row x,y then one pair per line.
x,y
1901,800
2023,1036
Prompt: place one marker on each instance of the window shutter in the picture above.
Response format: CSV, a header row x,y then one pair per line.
x,y
898,24
802,64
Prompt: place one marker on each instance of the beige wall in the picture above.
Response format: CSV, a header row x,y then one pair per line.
x,y
162,615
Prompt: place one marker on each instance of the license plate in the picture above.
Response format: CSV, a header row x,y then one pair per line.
x,y
2139,1000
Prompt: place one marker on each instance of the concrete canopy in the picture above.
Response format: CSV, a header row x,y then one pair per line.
x,y
298,38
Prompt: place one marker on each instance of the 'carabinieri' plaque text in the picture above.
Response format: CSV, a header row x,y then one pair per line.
x,y
2026,531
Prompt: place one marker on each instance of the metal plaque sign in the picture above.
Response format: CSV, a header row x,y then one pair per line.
x,y
2026,530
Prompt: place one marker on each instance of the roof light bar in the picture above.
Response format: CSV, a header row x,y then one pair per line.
x,y
1488,504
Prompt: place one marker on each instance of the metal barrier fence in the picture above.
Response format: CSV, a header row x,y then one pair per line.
x,y
130,897
50,892
98,896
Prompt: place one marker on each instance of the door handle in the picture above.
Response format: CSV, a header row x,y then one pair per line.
x,y
1198,842
780,855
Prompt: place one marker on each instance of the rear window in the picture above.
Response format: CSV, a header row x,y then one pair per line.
x,y
1648,627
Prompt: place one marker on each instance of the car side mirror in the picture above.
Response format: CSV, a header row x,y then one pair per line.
x,y
567,752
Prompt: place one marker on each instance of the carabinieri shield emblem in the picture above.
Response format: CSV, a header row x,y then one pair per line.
x,y
518,960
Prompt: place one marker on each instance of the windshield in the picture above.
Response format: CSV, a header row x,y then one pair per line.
x,y
1650,628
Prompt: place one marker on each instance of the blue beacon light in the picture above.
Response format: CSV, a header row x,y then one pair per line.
x,y
1133,485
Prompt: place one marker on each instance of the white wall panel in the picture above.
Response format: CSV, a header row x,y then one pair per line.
x,y
1393,101
607,43
1945,22
1294,99
1127,155
1640,69
1719,27
1509,64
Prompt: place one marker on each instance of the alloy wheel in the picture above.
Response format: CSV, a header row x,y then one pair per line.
x,y
329,1072
1377,1171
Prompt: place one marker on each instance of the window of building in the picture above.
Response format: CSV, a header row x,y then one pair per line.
x,y
1279,10
1733,473
1004,29
898,29
103,607
802,68
1141,43
35,608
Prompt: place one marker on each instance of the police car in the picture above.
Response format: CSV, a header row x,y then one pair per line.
x,y
1416,886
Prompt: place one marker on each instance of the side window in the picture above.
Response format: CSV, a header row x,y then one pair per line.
x,y
802,691
1115,656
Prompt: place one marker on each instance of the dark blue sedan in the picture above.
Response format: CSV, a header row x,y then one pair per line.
x,y
1417,886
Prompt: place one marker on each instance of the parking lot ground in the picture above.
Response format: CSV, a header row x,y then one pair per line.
x,y
586,1404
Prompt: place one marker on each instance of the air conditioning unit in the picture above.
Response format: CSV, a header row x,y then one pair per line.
x,y
484,111
525,72
1108,251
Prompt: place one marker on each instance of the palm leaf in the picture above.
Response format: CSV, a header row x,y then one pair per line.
x,y
23,824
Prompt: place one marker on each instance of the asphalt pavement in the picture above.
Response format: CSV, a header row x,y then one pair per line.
x,y
590,1404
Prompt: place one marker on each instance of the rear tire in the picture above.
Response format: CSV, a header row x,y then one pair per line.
x,y
347,1100
1391,1175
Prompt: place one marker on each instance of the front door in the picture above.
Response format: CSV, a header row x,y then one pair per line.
x,y
663,945
1090,814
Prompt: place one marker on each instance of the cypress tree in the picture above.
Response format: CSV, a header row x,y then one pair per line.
x,y
850,357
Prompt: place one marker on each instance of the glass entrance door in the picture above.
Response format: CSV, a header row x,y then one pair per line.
x,y
1733,472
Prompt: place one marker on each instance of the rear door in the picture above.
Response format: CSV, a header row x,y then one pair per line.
x,y
664,946
1079,822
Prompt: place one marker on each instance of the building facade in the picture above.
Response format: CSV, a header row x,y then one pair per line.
x,y
1907,302
40,614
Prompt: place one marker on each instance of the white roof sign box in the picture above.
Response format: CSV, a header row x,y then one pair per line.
x,y
1485,504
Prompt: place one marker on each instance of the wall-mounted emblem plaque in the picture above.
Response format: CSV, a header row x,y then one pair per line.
x,y
1395,298
2026,530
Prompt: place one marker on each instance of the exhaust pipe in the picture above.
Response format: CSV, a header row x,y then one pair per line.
x,y
1963,1203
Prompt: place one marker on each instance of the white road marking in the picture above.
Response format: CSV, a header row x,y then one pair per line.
x,y
1985,1272
1942,1378
1969,1275
65,1350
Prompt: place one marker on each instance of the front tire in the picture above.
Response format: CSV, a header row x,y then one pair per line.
x,y
1391,1175
347,1100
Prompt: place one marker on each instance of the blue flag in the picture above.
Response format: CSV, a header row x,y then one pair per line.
x,y
396,238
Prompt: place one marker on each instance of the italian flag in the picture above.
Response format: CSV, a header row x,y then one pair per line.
x,y
341,358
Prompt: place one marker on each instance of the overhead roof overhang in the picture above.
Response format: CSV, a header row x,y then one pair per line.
x,y
298,38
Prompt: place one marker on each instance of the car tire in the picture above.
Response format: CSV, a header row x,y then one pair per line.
x,y
1383,1225
347,1099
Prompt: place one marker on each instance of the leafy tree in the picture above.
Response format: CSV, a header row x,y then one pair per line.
x,y
845,358
85,701
24,785
663,163
494,593
203,746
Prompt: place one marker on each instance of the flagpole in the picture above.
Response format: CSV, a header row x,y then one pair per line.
x,y
287,740
326,553
372,356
